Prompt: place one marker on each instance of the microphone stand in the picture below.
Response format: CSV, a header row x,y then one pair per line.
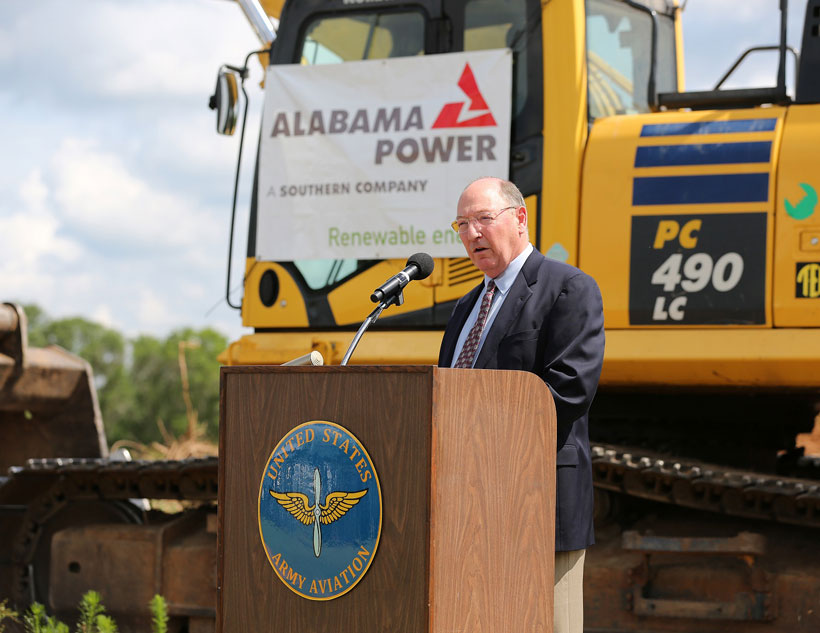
x,y
397,298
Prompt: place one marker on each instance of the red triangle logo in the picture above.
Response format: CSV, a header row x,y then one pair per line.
x,y
450,113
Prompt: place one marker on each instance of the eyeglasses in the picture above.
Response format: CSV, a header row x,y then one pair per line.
x,y
485,218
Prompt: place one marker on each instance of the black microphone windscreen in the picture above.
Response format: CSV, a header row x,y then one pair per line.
x,y
424,263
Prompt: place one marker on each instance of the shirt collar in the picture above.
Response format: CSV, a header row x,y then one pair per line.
x,y
505,280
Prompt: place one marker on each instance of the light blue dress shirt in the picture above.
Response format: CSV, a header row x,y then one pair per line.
x,y
503,283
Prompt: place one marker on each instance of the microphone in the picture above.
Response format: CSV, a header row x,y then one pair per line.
x,y
419,266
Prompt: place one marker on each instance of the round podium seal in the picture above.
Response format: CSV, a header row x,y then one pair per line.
x,y
320,510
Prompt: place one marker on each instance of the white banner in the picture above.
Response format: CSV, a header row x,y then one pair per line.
x,y
367,159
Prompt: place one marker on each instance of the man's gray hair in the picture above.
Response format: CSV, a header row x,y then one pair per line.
x,y
511,193
508,190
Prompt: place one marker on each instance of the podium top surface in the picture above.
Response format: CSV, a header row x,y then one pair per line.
x,y
359,369
409,369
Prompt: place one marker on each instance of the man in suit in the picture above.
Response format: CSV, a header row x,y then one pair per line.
x,y
539,315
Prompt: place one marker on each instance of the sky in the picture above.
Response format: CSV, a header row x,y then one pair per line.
x,y
115,190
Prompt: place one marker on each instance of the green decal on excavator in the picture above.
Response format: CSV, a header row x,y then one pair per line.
x,y
805,207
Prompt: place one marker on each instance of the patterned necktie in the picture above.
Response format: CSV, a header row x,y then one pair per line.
x,y
467,355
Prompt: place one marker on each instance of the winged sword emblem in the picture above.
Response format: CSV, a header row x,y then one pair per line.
x,y
335,507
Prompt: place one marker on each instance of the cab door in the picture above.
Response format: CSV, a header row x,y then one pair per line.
x,y
797,221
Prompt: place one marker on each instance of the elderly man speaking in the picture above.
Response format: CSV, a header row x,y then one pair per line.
x,y
539,315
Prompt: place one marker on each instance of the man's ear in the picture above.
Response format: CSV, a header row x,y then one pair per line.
x,y
521,216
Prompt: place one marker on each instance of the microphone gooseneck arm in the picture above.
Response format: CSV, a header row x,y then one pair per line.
x,y
397,298
419,266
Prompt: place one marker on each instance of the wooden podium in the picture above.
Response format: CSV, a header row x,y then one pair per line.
x,y
466,464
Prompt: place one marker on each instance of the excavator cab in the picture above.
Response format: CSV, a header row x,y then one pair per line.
x,y
695,213
296,305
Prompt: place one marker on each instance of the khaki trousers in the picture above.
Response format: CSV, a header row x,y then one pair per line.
x,y
568,608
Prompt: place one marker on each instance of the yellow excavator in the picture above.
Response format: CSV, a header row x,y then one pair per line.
x,y
694,211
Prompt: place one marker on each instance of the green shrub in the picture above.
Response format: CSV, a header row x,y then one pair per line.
x,y
90,609
106,624
53,625
34,620
7,614
159,611
92,617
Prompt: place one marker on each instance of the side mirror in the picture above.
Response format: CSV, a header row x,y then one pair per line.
x,y
225,101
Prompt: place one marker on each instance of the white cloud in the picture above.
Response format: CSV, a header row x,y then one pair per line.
x,y
6,48
152,310
27,238
196,291
716,33
130,48
197,146
733,14
102,199
115,189
103,314
30,240
33,191
162,61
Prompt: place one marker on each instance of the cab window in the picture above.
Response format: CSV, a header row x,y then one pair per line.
x,y
321,273
492,24
332,40
619,49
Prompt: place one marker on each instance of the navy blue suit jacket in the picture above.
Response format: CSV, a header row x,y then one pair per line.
x,y
551,324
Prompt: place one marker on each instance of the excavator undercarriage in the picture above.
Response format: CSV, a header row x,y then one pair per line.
x,y
683,544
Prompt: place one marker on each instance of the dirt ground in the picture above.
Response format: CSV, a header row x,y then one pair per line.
x,y
811,441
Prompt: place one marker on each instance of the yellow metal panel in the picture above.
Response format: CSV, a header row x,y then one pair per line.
x,y
695,170
810,239
712,358
565,122
287,311
375,348
606,199
702,358
609,178
797,240
532,215
350,302
459,276
272,7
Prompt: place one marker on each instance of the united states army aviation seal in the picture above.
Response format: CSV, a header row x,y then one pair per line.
x,y
320,510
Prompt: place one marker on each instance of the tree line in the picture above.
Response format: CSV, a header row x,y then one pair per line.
x,y
140,380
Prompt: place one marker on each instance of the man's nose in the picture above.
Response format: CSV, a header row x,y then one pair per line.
x,y
473,230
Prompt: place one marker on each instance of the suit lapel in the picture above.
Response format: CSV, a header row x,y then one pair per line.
x,y
456,323
520,292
